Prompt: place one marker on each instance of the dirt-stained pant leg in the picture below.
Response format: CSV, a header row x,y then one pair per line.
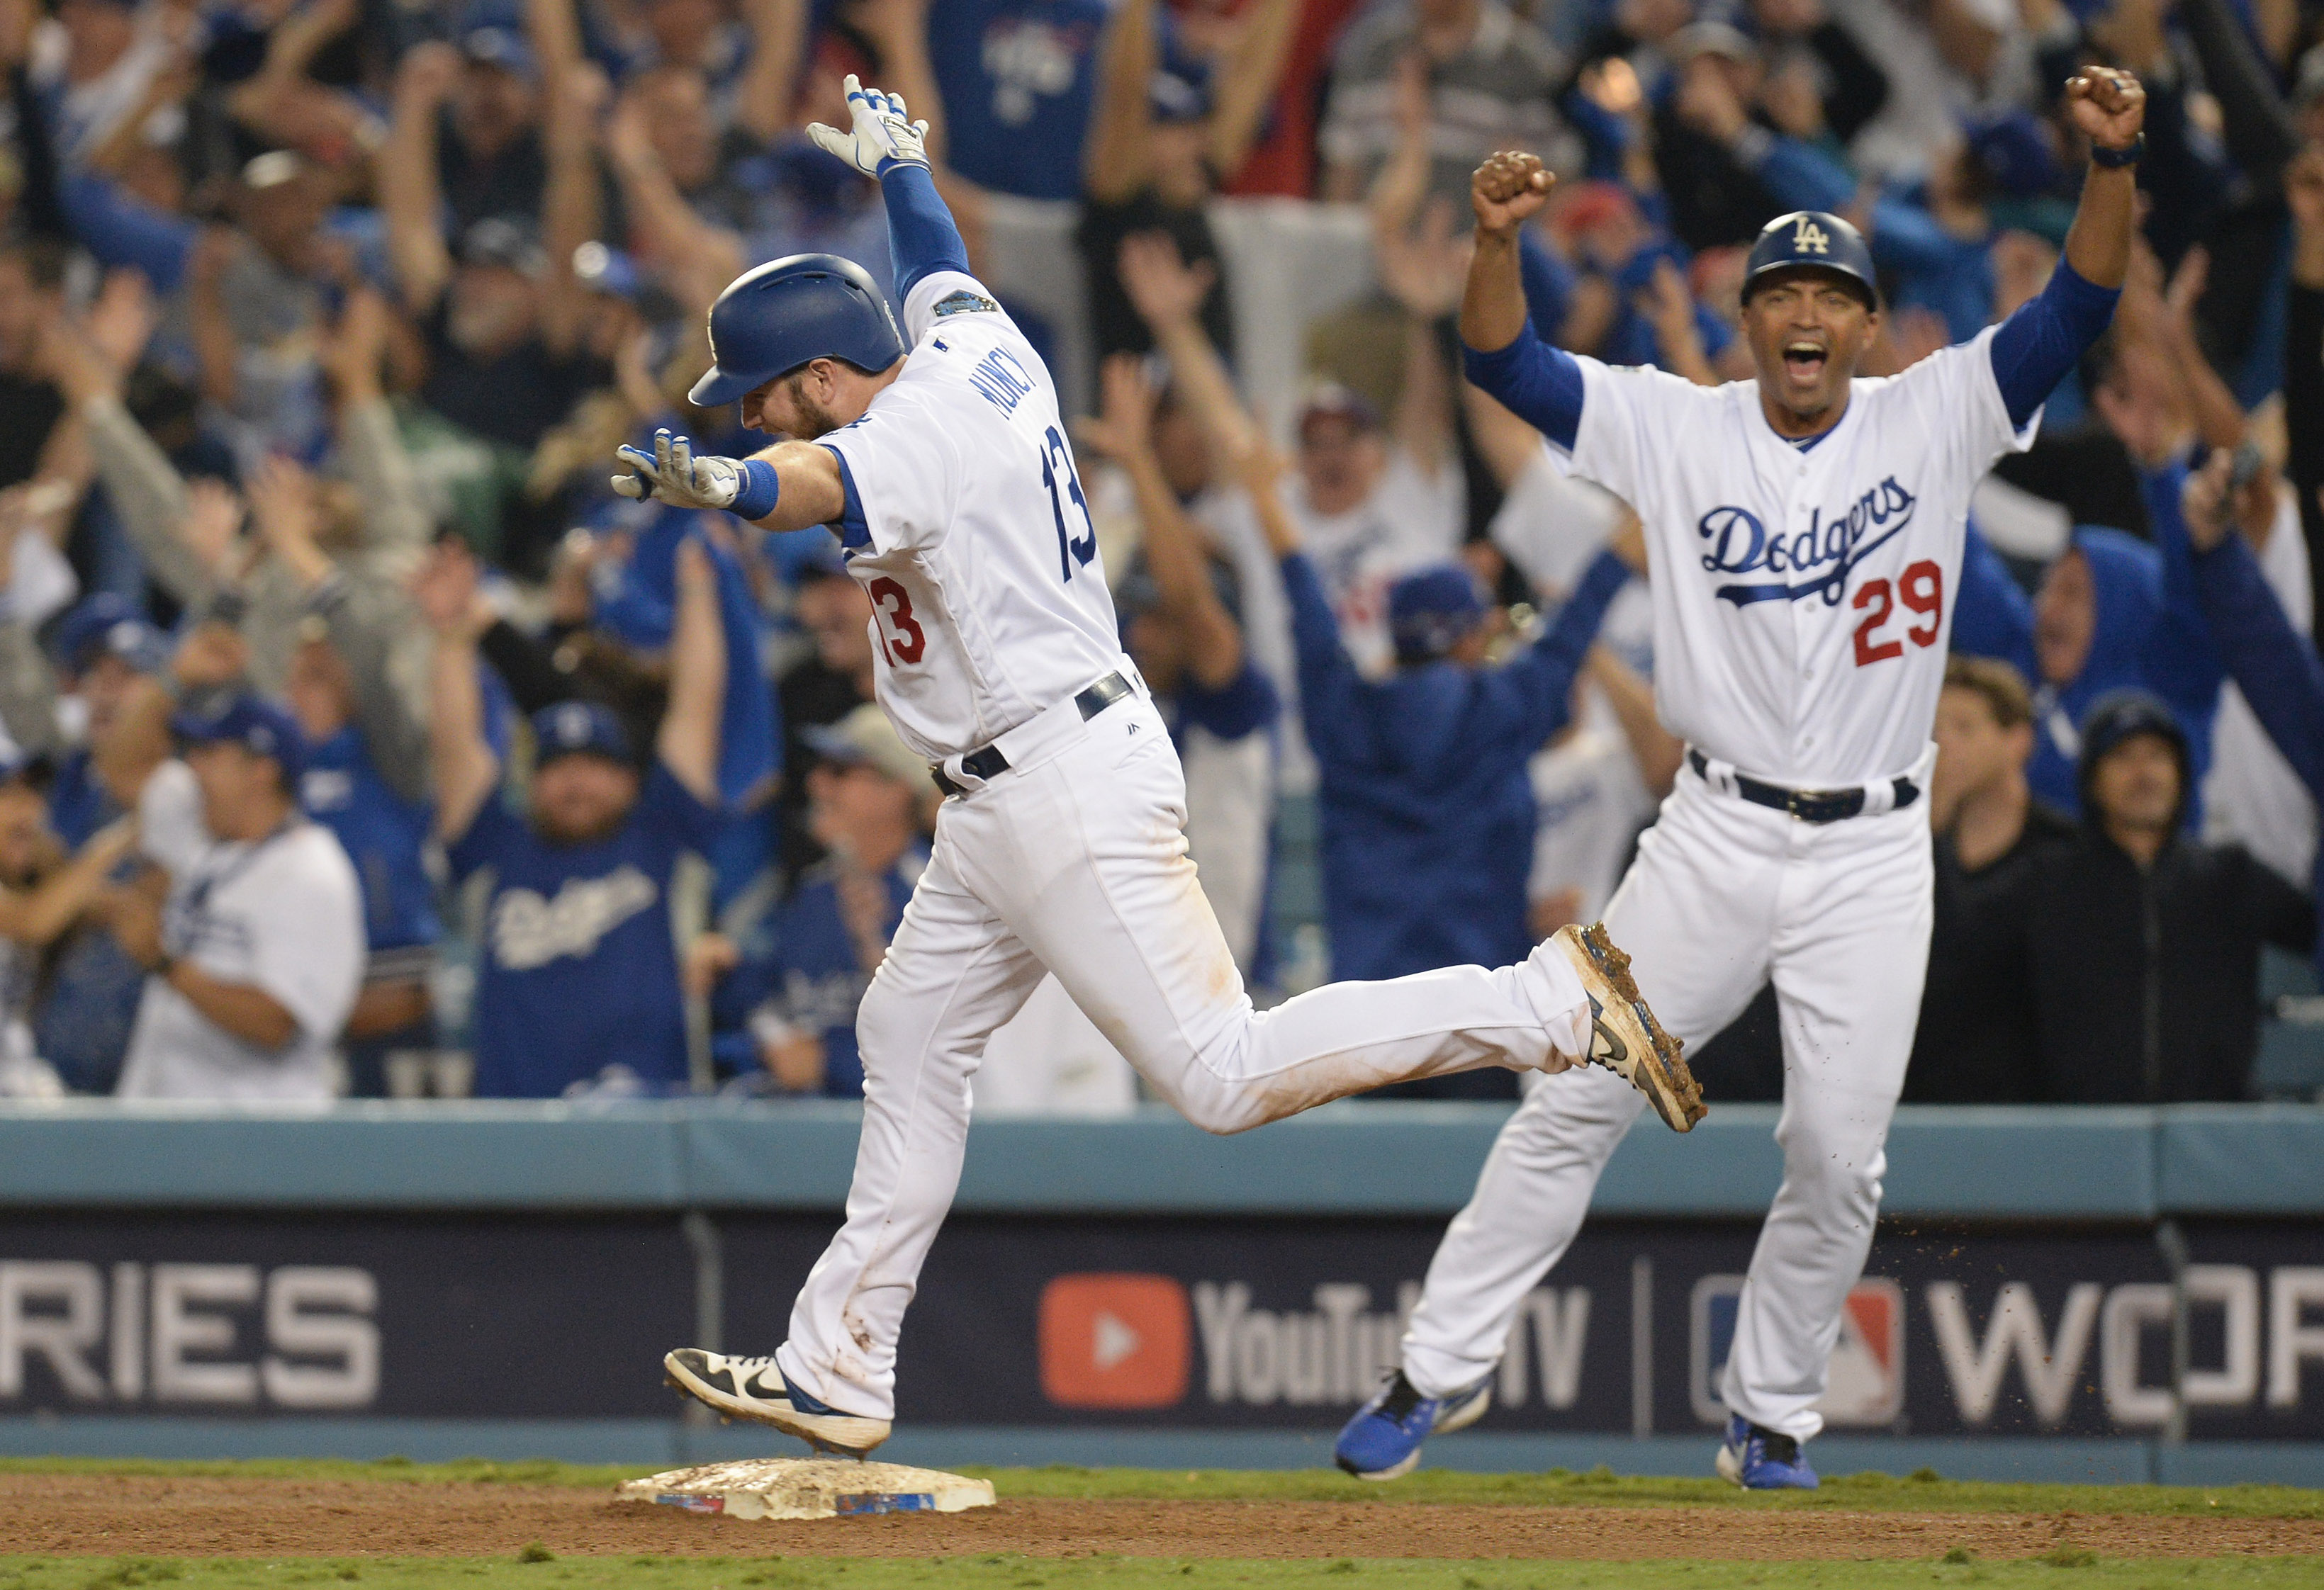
x,y
1079,863
1696,913
952,975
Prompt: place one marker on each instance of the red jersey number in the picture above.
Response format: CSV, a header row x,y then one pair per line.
x,y
1921,587
899,632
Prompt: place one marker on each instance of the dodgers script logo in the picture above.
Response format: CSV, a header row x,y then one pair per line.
x,y
1827,549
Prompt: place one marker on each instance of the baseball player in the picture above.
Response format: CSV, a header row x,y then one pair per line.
x,y
1804,533
943,464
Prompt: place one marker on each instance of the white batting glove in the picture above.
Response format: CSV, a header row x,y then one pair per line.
x,y
673,474
882,135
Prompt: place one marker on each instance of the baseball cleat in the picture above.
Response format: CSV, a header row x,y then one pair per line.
x,y
753,1388
1759,1460
1382,1441
1624,1035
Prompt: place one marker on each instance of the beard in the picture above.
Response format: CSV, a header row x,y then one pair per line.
x,y
814,419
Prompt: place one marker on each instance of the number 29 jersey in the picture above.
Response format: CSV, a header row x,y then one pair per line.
x,y
967,526
1803,600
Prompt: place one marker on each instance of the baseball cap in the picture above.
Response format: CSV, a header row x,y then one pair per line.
x,y
1328,400
2308,86
2014,147
605,269
1431,609
578,728
1713,38
498,241
273,169
865,738
253,722
2125,714
503,47
108,625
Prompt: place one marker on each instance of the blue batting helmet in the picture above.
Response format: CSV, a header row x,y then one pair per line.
x,y
771,320
1811,240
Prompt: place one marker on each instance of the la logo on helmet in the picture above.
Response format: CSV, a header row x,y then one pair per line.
x,y
1807,237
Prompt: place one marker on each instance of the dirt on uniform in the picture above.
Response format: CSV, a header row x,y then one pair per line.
x,y
68,1515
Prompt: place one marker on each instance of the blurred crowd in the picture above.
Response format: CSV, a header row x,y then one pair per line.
x,y
360,740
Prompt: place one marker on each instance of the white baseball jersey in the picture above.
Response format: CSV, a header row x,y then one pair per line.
x,y
968,528
1803,600
283,913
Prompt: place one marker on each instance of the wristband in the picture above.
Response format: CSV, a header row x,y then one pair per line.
x,y
2114,160
761,488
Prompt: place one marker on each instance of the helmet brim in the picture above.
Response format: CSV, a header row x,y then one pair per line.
x,y
1766,274
718,386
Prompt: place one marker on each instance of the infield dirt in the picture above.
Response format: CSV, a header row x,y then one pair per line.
x,y
110,1514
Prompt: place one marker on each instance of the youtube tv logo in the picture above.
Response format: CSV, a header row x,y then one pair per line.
x,y
1115,1341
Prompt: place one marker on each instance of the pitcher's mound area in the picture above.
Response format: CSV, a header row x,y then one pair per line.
x,y
72,1513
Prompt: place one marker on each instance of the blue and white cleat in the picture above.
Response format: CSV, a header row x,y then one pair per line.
x,y
753,1388
1761,1460
1382,1441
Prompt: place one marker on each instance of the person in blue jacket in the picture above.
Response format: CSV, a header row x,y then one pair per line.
x,y
2274,664
2114,612
1426,812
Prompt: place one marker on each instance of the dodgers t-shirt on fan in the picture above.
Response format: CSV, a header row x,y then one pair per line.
x,y
578,971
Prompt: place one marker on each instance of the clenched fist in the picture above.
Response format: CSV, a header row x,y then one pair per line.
x,y
1507,190
2108,106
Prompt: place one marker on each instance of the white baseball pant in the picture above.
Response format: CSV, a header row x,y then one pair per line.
x,y
1723,896
1075,861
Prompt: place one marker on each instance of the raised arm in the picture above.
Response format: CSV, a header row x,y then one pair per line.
x,y
408,192
1125,433
1167,294
1539,383
2274,664
36,916
762,98
687,742
465,768
1117,164
702,256
2041,341
1424,271
571,202
1253,72
882,142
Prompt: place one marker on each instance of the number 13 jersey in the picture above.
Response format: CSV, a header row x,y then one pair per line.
x,y
967,526
1802,599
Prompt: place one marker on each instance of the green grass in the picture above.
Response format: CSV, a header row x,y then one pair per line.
x,y
1115,1573
1920,1492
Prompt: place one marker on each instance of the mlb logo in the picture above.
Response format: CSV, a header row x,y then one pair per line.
x,y
1115,1341
1866,1384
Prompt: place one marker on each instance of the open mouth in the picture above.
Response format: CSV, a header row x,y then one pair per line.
x,y
1804,360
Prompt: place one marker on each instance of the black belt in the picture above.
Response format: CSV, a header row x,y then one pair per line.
x,y
989,762
1809,805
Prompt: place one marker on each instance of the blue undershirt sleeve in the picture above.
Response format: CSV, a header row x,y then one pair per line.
x,y
2047,335
921,231
854,531
1537,380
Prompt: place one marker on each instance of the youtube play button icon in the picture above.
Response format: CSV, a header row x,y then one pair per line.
x,y
1115,1341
